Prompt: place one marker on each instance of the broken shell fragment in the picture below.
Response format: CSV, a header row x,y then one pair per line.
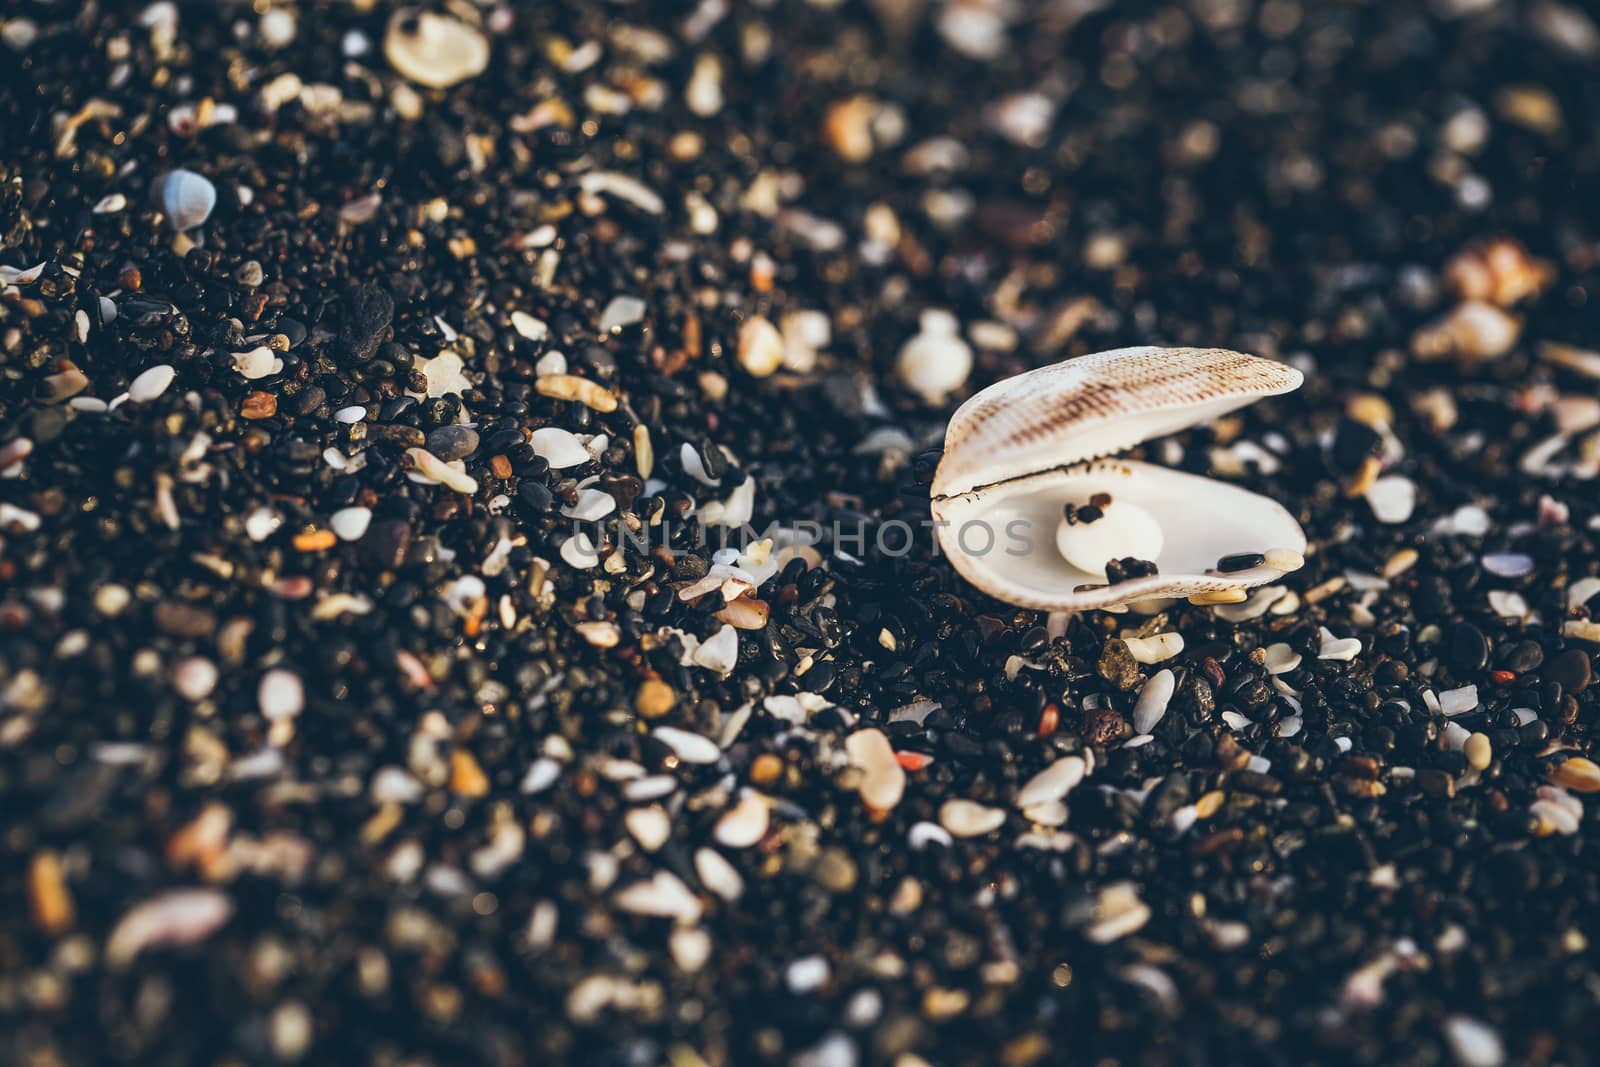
x,y
187,199
433,50
1026,463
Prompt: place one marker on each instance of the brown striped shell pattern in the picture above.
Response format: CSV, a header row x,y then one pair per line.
x,y
1032,505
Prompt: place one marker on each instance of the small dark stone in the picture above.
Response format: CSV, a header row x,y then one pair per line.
x,y
1241,561
536,495
366,312
1436,783
1467,648
1572,669
1103,726
452,442
184,620
308,400
386,543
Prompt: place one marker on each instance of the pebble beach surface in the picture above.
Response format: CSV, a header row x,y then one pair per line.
x,y
378,388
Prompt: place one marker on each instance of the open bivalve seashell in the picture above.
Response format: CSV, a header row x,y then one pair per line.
x,y
1031,505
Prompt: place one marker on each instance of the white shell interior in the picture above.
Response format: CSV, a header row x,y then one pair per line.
x,y
1201,520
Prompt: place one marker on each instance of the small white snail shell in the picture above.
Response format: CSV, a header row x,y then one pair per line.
x,y
187,199
936,362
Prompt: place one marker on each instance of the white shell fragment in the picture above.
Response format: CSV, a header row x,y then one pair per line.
x,y
1151,707
1017,453
176,917
259,362
187,199
883,780
560,448
151,383
433,50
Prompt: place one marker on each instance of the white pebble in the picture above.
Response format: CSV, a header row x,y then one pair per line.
x,y
611,183
690,947
1118,912
280,694
744,824
1508,605
1582,591
663,895
1156,648
688,746
760,347
350,523
806,975
560,448
735,511
1281,659
1470,521
152,383
592,505
352,414
1474,1042
720,651
717,874
195,678
176,917
529,327
262,523
651,826
968,818
259,362
1508,564
1392,499
1055,781
1151,706
883,780
1346,648
579,552
542,773
1458,701
621,312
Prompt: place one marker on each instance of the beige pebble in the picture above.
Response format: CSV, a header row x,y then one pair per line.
x,y
571,387
760,347
1577,774
883,780
1400,562
1221,596
654,699
1479,752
